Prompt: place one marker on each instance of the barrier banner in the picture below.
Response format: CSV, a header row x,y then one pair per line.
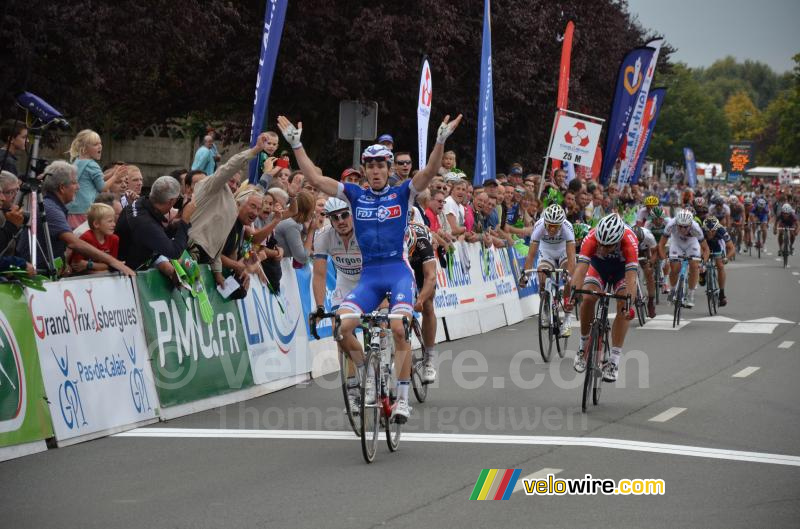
x,y
24,416
192,360
275,328
92,355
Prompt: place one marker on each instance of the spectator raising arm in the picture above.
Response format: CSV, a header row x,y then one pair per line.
x,y
327,185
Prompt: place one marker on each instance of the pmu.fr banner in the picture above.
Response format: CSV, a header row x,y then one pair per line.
x,y
424,102
629,83
275,328
24,416
192,360
93,356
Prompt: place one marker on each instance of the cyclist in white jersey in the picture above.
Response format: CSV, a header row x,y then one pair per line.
x,y
338,242
554,240
686,239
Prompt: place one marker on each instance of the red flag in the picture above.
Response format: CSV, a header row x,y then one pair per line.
x,y
563,74
597,164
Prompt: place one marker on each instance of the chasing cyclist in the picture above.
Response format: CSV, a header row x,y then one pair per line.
x,y
422,259
686,241
760,215
648,260
786,219
721,249
381,219
554,241
608,255
650,203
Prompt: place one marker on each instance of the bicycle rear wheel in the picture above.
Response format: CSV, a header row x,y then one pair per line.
x,y
370,413
391,427
545,332
354,416
418,360
658,279
561,341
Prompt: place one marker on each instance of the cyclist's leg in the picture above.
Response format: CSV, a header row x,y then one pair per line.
x,y
594,283
675,258
364,298
545,263
693,252
400,279
619,329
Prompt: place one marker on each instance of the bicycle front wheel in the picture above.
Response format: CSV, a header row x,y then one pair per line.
x,y
785,249
418,359
678,301
545,327
370,412
602,346
588,379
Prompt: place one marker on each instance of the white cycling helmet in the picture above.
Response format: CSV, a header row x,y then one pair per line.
x,y
554,214
610,230
335,204
684,218
787,209
761,203
377,152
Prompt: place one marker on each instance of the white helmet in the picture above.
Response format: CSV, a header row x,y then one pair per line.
x,y
786,209
610,230
377,152
335,204
684,217
554,214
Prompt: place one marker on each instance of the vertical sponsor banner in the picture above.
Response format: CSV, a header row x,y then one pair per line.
x,y
275,328
424,102
654,102
24,415
192,360
563,73
270,42
484,152
635,127
92,355
691,167
629,83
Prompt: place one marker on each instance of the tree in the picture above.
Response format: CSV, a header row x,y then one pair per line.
x,y
744,119
781,139
689,118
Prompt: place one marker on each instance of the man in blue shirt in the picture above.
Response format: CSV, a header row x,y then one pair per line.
x,y
380,217
204,157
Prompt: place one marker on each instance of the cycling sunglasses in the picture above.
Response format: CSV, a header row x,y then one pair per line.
x,y
336,217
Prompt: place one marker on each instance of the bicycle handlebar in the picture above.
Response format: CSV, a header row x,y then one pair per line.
x,y
371,318
626,297
546,271
314,317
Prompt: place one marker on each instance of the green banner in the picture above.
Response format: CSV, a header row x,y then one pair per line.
x,y
192,360
24,416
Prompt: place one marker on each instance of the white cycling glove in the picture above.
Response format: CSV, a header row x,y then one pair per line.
x,y
292,135
443,133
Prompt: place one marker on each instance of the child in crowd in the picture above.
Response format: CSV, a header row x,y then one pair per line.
x,y
102,220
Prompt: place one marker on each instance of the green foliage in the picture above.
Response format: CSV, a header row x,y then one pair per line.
x,y
780,143
745,120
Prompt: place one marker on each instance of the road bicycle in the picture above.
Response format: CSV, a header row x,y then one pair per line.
x,y
640,302
785,250
376,412
681,287
597,346
551,308
712,285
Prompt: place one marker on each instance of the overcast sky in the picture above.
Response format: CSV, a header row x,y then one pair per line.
x,y
706,30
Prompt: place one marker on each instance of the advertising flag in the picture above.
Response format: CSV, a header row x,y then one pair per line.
x,y
424,111
654,102
629,83
635,128
563,73
484,153
691,167
270,41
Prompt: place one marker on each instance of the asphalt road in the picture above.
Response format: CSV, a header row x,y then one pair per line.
x,y
726,446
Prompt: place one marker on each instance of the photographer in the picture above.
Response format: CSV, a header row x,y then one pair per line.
x,y
12,218
59,188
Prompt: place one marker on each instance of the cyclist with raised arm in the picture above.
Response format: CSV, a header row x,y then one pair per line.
x,y
686,240
553,239
608,256
338,242
721,249
422,259
380,222
786,219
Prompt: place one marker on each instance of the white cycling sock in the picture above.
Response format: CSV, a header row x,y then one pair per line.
x,y
431,355
402,389
583,341
615,353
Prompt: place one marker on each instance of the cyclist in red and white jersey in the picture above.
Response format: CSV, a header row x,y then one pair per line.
x,y
609,254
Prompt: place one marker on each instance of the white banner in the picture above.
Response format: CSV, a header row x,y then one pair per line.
x,y
93,355
575,140
275,329
424,111
476,278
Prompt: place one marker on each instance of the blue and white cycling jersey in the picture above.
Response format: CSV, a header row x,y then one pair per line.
x,y
380,220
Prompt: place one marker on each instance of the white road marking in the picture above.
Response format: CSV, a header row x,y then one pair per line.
x,y
771,319
596,442
746,372
785,345
719,319
779,259
770,253
667,415
754,328
661,325
796,273
539,474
